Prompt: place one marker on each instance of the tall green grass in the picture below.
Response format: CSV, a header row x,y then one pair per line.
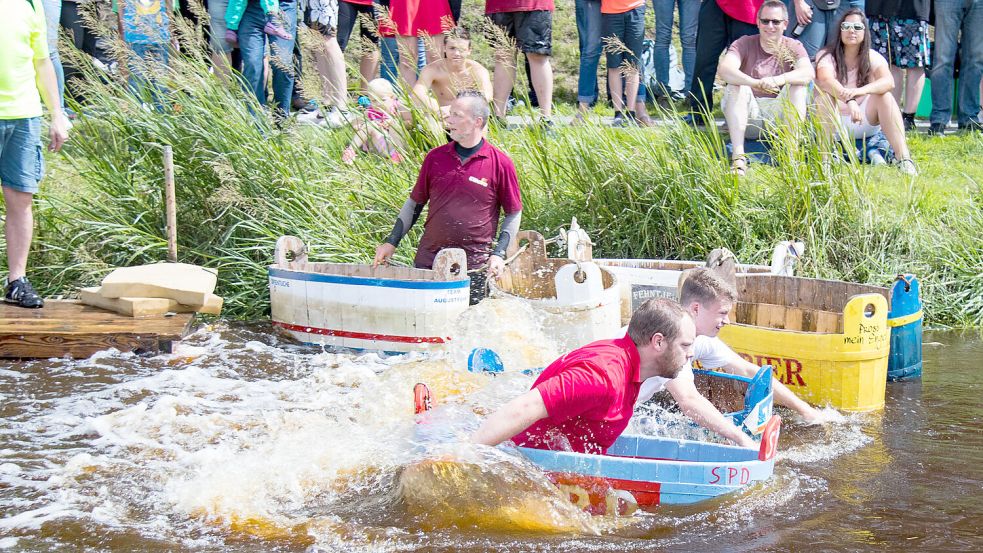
x,y
665,192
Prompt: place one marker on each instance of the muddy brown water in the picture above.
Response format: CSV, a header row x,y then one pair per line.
x,y
239,442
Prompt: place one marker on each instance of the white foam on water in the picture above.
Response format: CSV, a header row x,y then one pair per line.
x,y
7,543
251,437
828,441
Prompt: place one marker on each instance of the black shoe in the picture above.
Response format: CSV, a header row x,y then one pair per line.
x,y
971,126
21,293
936,129
909,121
695,120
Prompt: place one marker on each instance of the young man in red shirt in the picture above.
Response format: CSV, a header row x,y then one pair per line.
x,y
466,182
583,401
530,24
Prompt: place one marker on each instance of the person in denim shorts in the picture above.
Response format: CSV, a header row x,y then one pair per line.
x,y
24,63
530,24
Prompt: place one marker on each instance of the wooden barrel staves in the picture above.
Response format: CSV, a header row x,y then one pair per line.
x,y
579,300
358,306
827,340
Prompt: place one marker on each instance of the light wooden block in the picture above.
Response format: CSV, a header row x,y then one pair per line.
x,y
143,307
186,284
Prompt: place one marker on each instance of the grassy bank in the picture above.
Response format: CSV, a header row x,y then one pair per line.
x,y
659,193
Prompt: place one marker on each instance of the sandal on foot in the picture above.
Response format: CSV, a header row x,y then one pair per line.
x,y
738,166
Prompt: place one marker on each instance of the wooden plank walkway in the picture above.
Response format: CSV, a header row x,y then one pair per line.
x,y
67,327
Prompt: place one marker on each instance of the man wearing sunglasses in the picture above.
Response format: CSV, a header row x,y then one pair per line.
x,y
767,76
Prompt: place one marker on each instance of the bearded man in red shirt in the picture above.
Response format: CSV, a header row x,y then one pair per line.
x,y
583,401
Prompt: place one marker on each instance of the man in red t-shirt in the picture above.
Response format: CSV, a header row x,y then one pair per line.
x,y
530,24
764,74
583,401
467,182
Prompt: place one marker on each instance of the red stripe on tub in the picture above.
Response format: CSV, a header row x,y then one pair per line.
x,y
361,335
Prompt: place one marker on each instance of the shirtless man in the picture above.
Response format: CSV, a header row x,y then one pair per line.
x,y
456,72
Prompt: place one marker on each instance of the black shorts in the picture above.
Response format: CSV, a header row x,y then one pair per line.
x,y
479,286
348,15
532,31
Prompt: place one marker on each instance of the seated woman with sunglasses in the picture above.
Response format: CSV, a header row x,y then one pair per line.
x,y
857,89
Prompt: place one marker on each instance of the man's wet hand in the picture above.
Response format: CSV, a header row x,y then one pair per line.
x,y
383,252
496,266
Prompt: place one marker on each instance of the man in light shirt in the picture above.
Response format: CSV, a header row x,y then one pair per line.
x,y
708,299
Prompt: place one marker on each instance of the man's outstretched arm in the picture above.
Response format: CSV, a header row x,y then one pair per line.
x,y
514,417
407,217
702,412
510,228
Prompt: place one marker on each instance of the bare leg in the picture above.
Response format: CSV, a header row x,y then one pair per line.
x,y
798,95
502,81
407,59
222,66
542,82
829,116
631,88
368,67
899,83
883,109
913,89
736,114
614,85
435,48
330,62
19,228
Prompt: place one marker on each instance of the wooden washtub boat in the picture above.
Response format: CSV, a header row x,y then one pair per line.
x,y
828,341
651,470
579,300
385,308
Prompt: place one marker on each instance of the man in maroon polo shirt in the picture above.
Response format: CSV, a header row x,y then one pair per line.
x,y
583,401
467,182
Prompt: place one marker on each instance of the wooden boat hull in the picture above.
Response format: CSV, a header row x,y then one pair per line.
x,y
828,341
579,300
641,279
391,309
656,470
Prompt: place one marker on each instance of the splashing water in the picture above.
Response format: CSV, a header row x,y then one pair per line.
x,y
236,439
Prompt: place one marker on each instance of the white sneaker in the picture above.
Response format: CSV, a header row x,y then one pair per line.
x,y
310,118
334,118
907,167
876,158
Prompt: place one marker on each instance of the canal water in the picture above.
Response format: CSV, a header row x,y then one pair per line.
x,y
239,441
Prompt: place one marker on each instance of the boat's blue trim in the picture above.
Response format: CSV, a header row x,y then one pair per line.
x,y
363,281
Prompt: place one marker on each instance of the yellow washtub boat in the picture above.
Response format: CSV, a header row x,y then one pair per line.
x,y
828,341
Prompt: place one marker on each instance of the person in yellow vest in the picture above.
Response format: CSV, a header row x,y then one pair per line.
x,y
25,70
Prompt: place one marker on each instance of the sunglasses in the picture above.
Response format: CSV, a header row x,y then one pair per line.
x,y
775,22
847,26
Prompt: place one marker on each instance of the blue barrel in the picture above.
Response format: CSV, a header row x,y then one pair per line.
x,y
905,321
